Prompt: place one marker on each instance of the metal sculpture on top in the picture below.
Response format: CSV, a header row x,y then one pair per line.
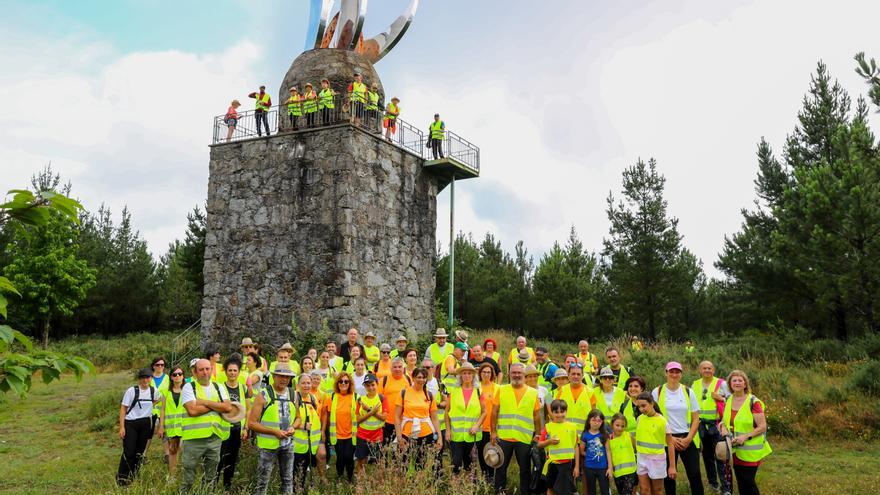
x,y
345,29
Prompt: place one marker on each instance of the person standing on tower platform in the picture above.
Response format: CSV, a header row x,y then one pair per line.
x,y
294,107
357,96
373,108
437,132
264,103
392,111
326,103
310,104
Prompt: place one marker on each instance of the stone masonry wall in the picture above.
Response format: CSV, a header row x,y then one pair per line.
x,y
330,223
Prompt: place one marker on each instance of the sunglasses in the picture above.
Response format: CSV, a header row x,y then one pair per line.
x,y
386,352
344,382
177,374
704,393
159,364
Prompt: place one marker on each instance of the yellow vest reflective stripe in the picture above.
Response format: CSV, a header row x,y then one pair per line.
x,y
242,394
651,434
302,438
602,405
262,104
309,103
358,92
160,390
270,419
708,408
372,355
577,409
326,99
294,106
392,111
661,401
372,101
624,376
438,355
195,427
755,448
437,130
462,418
623,457
567,434
372,423
449,380
354,421
516,421
174,414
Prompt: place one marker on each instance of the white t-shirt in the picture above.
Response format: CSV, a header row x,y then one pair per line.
x,y
609,398
359,384
675,410
188,395
432,386
144,406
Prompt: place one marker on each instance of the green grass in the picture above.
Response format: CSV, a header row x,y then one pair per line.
x,y
47,446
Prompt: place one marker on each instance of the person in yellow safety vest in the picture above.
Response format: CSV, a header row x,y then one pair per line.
x,y
372,108
634,387
202,428
546,367
271,420
450,364
294,107
339,418
711,391
488,388
327,372
160,382
310,104
261,112
357,97
578,396
336,361
383,366
355,355
283,356
636,344
437,133
326,103
401,346
744,418
622,456
213,355
589,360
438,351
372,412
135,425
655,447
516,418
371,351
608,398
689,347
392,111
520,347
621,373
560,439
171,417
308,438
464,418
679,405
237,432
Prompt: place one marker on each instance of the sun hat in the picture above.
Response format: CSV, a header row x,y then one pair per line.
x,y
308,85
247,341
493,456
461,335
606,371
523,355
286,347
292,88
673,365
237,414
401,338
441,332
395,99
531,370
462,346
144,373
723,449
369,335
465,366
560,373
283,369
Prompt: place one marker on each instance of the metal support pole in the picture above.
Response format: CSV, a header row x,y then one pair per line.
x,y
450,317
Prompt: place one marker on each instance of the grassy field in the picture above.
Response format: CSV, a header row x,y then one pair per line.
x,y
47,445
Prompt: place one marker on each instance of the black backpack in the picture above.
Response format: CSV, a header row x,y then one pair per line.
x,y
137,395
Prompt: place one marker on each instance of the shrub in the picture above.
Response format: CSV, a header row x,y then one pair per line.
x,y
103,411
866,378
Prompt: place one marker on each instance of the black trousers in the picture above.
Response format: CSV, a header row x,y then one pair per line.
x,y
437,148
461,455
690,458
326,115
301,464
523,460
345,458
593,476
229,450
709,437
310,119
293,121
388,434
137,433
488,472
263,117
745,479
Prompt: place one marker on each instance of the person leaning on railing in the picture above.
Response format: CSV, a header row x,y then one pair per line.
x,y
294,107
231,118
392,111
373,107
357,96
325,101
310,105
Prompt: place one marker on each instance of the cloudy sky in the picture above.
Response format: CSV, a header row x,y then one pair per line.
x,y
560,96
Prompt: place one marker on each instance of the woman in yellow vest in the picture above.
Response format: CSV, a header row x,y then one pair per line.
x,y
488,390
373,107
308,440
392,111
622,451
328,372
357,96
608,398
310,104
655,457
171,417
560,439
464,417
338,416
634,387
679,405
307,365
744,418
294,107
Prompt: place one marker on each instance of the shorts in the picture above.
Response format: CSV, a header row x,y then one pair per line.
x,y
561,478
626,483
654,465
367,450
231,122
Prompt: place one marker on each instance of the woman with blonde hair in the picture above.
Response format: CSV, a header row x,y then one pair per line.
x,y
744,420
338,414
231,118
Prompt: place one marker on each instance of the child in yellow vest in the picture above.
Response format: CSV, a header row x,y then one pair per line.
x,y
622,445
560,438
653,465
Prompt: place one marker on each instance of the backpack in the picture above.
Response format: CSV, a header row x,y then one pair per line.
x,y
385,381
270,392
695,408
137,395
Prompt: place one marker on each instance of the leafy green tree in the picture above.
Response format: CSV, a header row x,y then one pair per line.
x,y
192,252
179,304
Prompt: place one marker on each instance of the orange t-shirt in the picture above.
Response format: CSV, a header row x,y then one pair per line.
x,y
488,394
343,414
390,389
383,368
416,405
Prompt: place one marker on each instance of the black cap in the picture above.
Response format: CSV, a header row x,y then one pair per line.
x,y
370,378
436,115
144,373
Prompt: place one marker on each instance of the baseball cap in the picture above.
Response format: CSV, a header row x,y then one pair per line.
x,y
673,365
144,373
461,345
370,378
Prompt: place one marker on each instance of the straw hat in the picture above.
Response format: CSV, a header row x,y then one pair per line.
x,y
606,371
441,332
283,369
723,449
465,366
401,338
493,456
237,414
247,341
370,335
531,370
560,373
524,355
461,335
286,347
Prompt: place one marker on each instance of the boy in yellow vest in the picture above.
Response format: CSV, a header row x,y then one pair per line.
x,y
560,438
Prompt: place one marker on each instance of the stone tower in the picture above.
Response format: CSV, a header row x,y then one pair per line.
x,y
330,223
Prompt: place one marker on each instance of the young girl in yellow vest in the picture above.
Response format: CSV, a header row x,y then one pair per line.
x,y
622,446
653,464
596,452
560,439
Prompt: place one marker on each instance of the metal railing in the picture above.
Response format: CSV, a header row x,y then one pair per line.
x,y
278,119
187,345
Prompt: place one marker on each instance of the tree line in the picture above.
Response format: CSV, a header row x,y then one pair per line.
x,y
807,254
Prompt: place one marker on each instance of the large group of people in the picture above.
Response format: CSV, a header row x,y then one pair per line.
x,y
572,426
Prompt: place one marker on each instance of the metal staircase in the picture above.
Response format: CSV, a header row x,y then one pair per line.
x,y
187,345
